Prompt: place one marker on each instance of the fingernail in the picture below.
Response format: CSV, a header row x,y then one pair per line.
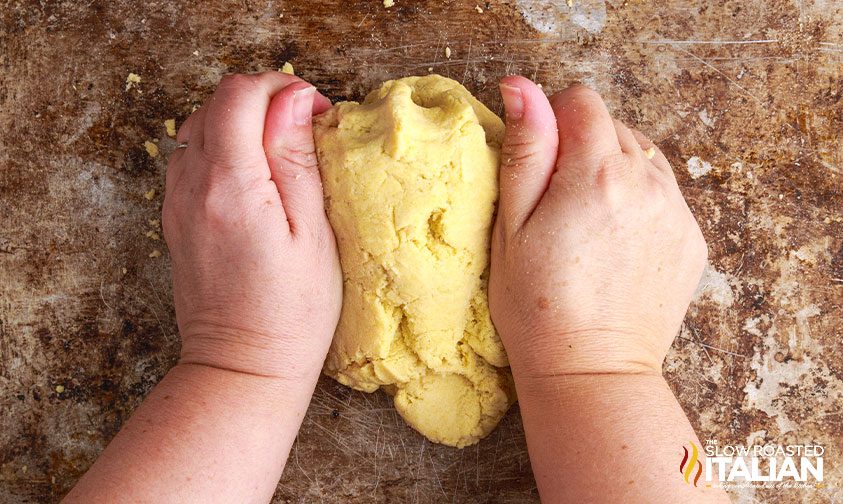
x,y
513,102
303,105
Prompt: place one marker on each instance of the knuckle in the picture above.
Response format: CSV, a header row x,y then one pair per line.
x,y
221,153
612,168
517,150
577,94
585,94
218,208
237,81
302,156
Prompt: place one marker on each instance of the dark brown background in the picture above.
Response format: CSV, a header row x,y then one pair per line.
x,y
753,88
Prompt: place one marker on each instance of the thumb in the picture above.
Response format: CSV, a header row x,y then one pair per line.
x,y
528,153
291,155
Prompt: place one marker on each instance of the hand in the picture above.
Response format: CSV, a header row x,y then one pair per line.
x,y
595,254
256,277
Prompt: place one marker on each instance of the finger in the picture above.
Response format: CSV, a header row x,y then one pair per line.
x,y
196,132
587,135
175,166
291,155
651,151
629,145
320,104
528,153
184,130
190,133
234,128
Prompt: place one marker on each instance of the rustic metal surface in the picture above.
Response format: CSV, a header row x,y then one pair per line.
x,y
744,97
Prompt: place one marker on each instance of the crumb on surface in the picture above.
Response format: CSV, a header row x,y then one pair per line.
x,y
448,52
287,68
388,3
155,253
59,389
153,235
478,9
132,80
149,194
151,148
170,125
650,152
155,223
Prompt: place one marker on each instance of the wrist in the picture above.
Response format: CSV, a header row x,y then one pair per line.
x,y
272,395
536,390
537,357
248,352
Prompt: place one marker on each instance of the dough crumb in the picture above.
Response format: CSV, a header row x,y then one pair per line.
x,y
151,148
170,125
155,253
124,271
388,3
153,235
155,223
196,53
59,388
149,194
478,9
650,152
569,3
448,52
288,68
132,80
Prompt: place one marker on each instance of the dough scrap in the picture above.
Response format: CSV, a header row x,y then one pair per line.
x,y
410,180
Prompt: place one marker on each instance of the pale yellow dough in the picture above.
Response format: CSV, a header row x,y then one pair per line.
x,y
410,178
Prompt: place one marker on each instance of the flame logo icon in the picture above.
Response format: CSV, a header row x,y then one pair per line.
x,y
686,467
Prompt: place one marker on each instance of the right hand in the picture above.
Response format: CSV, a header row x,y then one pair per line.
x,y
595,254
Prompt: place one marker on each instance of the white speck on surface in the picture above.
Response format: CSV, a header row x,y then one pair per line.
x,y
751,325
554,17
448,52
388,3
715,286
697,167
753,436
705,118
771,377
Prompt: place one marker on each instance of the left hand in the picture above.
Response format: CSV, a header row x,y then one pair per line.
x,y
256,276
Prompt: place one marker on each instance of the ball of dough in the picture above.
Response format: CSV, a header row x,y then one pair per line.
x,y
410,180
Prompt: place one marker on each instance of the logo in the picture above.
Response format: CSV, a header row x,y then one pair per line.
x,y
761,466
690,461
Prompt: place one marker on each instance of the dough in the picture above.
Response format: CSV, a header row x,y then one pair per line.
x,y
410,179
